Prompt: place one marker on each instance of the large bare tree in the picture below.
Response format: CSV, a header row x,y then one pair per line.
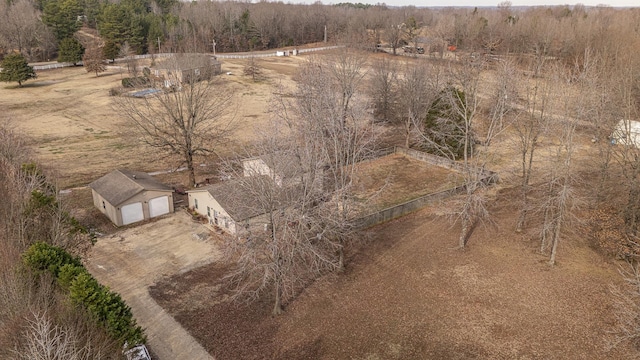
x,y
418,89
454,134
315,141
191,119
289,243
530,124
383,89
329,116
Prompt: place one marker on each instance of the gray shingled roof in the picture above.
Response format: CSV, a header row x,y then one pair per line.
x,y
120,185
234,197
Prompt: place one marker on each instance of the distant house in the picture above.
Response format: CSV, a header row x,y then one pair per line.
x,y
128,196
283,169
185,68
228,206
627,132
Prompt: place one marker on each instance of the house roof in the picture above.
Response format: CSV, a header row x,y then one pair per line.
x,y
187,61
235,195
120,185
285,165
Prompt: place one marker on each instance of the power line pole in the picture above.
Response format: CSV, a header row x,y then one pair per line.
x,y
158,45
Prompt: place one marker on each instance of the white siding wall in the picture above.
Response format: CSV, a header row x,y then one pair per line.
x,y
253,167
215,212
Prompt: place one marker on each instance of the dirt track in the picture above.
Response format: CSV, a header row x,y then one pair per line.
x,y
133,259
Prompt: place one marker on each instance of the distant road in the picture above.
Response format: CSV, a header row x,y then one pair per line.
x,y
242,55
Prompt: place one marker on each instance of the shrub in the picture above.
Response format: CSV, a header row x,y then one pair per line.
x,y
44,257
115,91
103,304
135,82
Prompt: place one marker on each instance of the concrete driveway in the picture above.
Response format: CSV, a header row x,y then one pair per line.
x,y
131,260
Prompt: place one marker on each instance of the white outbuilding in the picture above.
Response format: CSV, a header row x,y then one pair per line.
x,y
128,196
627,132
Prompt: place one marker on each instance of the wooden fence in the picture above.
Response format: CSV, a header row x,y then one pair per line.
x,y
394,212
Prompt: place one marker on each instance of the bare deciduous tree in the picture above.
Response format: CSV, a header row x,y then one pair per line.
x,y
384,94
93,58
30,212
20,26
561,197
418,90
329,117
530,123
457,124
313,147
286,246
252,68
189,121
626,307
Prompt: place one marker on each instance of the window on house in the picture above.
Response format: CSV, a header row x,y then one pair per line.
x,y
104,206
208,211
195,203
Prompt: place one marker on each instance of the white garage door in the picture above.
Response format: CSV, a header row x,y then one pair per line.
x,y
132,213
158,206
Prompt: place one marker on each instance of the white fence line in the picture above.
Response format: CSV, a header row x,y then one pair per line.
x,y
219,56
52,66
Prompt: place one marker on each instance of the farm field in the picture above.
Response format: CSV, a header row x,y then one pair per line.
x,y
412,295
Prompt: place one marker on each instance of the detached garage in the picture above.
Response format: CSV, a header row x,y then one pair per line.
x,y
128,196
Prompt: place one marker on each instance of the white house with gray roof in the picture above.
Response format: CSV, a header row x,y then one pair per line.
x,y
229,206
128,196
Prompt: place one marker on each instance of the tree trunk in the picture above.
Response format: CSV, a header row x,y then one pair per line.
x,y
341,258
463,232
556,238
277,304
191,169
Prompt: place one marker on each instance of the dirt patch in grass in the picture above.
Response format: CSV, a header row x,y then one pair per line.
x,y
396,178
412,295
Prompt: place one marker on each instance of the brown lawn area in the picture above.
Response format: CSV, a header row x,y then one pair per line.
x,y
75,130
410,294
393,179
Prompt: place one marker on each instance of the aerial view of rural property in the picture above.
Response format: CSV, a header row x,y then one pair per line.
x,y
231,180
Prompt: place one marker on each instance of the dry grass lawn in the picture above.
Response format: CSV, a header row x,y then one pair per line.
x,y
391,180
74,128
412,295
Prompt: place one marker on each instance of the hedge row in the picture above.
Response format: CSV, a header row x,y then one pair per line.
x,y
105,305
135,81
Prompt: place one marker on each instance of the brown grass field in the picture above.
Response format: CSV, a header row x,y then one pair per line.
x,y
75,130
407,292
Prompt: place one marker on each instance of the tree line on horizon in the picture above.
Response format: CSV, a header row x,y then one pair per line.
x,y
42,29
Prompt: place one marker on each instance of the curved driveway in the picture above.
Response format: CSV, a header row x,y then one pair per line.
x,y
133,259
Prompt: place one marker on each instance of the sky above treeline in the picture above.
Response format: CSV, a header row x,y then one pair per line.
x,y
483,3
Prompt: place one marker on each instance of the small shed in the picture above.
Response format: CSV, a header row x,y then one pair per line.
x,y
127,196
627,132
228,206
